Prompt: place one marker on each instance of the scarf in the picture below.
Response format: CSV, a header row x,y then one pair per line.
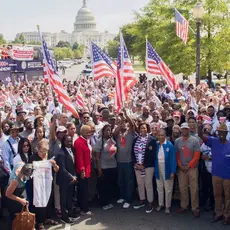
x,y
139,151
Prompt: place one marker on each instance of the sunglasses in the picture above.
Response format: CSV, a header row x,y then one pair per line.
x,y
86,117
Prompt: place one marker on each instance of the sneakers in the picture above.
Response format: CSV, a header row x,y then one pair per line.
x,y
149,208
126,205
120,201
89,213
159,208
139,205
66,221
107,207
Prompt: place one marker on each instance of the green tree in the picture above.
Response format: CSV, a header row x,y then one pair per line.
x,y
63,44
75,46
20,39
2,40
64,52
113,48
77,53
34,43
156,21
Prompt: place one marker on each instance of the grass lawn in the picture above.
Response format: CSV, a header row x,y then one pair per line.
x,y
222,81
138,67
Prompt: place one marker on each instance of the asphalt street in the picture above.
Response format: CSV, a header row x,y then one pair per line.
x,y
130,219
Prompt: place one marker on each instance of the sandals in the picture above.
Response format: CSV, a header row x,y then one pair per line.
x,y
51,222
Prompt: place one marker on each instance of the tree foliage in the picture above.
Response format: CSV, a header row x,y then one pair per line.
x,y
66,52
156,21
2,40
19,40
113,48
75,46
63,44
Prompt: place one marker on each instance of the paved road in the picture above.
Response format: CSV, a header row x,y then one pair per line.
x,y
120,219
73,72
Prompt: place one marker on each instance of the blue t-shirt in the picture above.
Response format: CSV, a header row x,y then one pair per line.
x,y
220,157
13,176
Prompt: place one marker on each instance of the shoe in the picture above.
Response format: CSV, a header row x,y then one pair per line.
x,y
72,215
126,205
196,213
139,205
159,208
107,207
167,211
181,210
89,213
149,208
66,221
207,208
120,201
216,219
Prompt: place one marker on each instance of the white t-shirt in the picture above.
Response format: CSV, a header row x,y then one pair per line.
x,y
161,154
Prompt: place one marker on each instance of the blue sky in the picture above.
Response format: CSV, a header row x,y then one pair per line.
x,y
56,15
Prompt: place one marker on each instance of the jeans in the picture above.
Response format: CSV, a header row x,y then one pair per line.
x,y
126,181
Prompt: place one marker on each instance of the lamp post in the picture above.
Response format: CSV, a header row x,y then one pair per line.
x,y
198,13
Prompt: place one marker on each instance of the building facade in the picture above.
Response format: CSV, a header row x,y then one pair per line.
x,y
85,30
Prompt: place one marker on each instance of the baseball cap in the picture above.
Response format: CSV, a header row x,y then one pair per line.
x,y
184,126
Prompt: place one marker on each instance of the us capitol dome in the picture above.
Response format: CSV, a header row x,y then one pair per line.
x,y
85,19
85,29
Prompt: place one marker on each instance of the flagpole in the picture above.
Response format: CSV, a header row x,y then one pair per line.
x,y
146,66
43,53
122,68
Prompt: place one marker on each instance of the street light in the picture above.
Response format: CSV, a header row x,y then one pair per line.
x,y
198,14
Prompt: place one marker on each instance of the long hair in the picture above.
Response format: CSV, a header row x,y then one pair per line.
x,y
102,135
20,149
36,130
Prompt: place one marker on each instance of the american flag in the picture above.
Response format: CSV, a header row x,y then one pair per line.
x,y
79,99
55,80
157,65
103,66
182,26
45,72
125,75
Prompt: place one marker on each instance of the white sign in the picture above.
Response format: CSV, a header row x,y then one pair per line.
x,y
22,53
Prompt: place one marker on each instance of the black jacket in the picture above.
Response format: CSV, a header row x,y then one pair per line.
x,y
67,168
150,152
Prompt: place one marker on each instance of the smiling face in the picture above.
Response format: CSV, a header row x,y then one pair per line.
x,y
161,136
143,130
222,135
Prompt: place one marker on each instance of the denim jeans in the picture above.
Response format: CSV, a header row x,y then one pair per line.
x,y
126,181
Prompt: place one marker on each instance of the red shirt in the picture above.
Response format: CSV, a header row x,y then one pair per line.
x,y
82,156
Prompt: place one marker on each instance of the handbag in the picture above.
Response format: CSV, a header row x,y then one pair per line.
x,y
24,220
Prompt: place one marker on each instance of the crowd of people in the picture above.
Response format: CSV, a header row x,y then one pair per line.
x,y
161,141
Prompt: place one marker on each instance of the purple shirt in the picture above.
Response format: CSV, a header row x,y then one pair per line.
x,y
220,157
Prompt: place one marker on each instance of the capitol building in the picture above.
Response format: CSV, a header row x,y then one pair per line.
x,y
85,30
